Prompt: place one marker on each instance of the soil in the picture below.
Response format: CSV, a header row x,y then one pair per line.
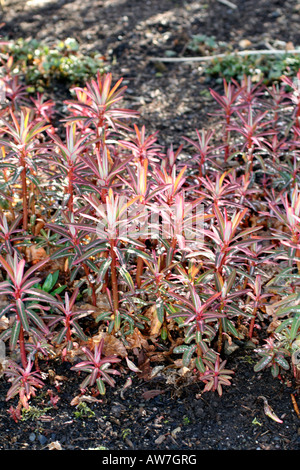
x,y
173,99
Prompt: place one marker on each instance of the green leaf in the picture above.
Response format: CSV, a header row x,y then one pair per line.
x,y
187,355
282,362
180,349
275,370
60,337
103,269
37,320
48,284
22,314
200,365
127,278
295,326
160,311
15,332
101,386
264,362
79,332
104,316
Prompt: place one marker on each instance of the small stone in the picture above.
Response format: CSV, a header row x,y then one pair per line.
x,y
32,437
42,439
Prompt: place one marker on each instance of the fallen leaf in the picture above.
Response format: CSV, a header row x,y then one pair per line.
x,y
111,346
175,431
269,410
289,46
131,365
160,439
38,227
136,340
244,43
151,394
127,384
273,325
3,359
156,370
156,325
33,254
84,398
4,323
54,446
91,309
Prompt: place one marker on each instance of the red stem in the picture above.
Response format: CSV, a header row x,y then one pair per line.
x,y
114,279
22,347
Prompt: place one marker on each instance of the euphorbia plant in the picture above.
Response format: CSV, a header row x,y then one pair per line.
x,y
229,104
98,368
22,141
289,216
206,152
66,314
27,302
111,224
67,159
216,375
198,315
71,247
24,382
96,109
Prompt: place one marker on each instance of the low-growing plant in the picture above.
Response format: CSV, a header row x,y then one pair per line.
x,y
189,250
40,63
98,368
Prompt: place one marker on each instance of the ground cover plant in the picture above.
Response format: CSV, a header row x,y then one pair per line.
x,y
42,63
175,241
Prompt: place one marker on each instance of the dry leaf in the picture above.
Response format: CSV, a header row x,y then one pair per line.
x,y
84,398
38,227
156,370
160,439
112,345
289,46
245,43
175,431
136,340
54,446
131,365
33,254
91,309
269,411
4,323
273,325
127,384
151,394
102,302
151,313
3,359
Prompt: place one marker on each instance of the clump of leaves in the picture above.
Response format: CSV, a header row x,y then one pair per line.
x,y
176,245
266,68
41,63
98,368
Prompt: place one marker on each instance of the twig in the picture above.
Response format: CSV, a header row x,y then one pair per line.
x,y
295,405
228,4
221,56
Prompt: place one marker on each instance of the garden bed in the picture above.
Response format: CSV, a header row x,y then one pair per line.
x,y
166,411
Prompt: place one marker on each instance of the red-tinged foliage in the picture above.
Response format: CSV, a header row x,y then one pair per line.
x,y
191,251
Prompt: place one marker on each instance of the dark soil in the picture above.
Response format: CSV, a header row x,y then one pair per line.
x,y
172,99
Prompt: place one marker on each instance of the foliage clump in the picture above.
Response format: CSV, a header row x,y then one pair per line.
x,y
112,246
